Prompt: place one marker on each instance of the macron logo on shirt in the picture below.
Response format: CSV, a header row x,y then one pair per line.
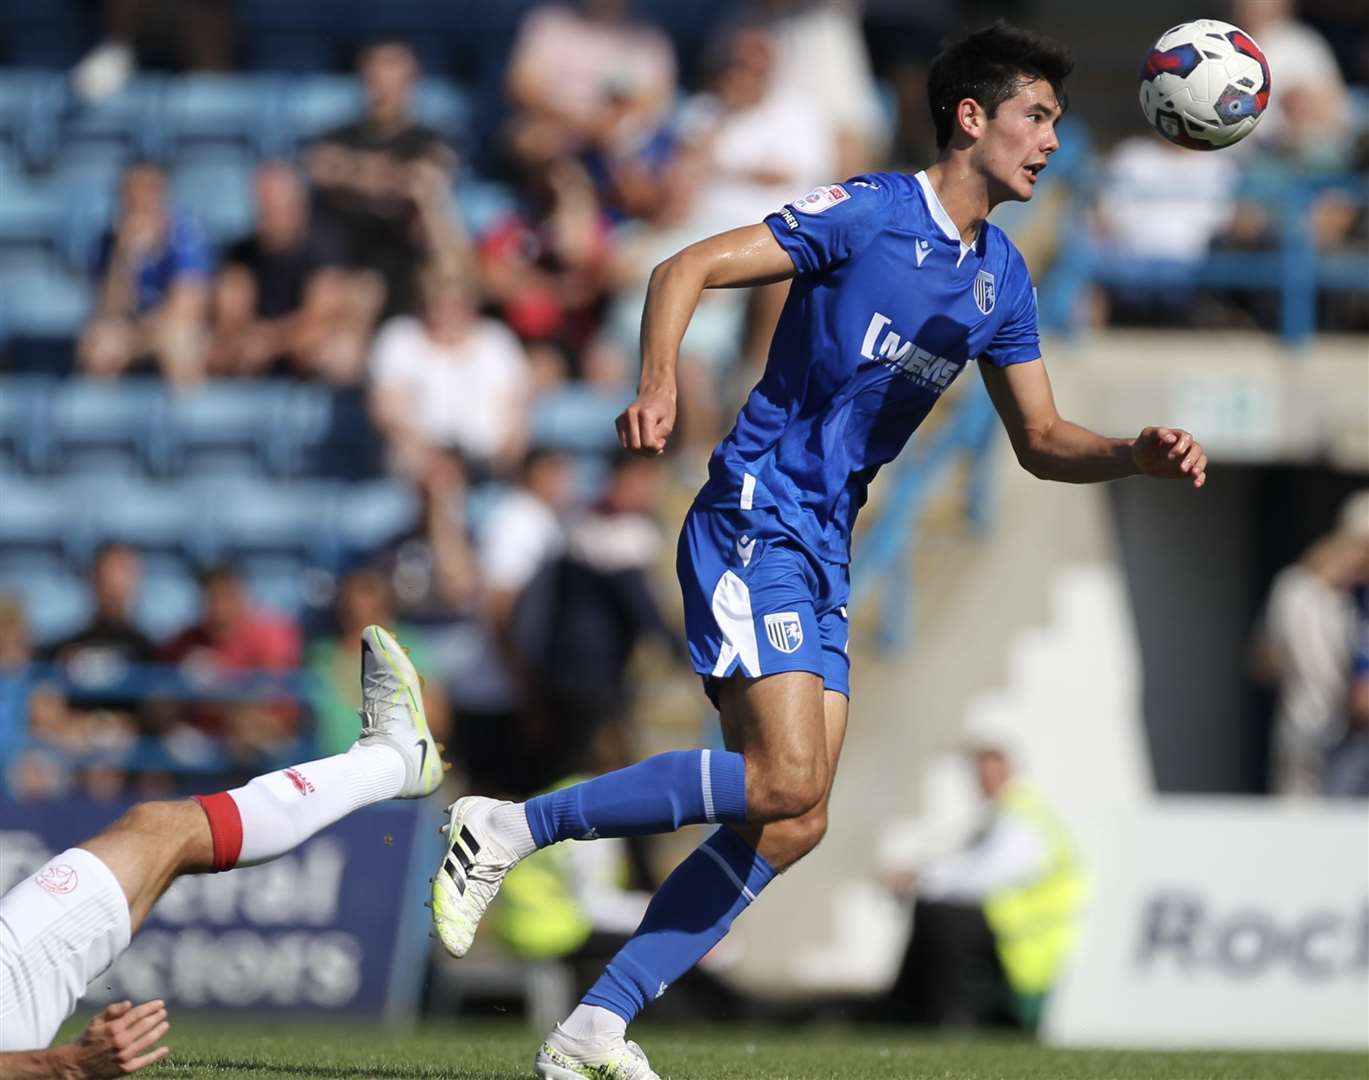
x,y
906,357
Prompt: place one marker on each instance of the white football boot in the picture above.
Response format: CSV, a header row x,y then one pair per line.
x,y
470,874
612,1058
392,712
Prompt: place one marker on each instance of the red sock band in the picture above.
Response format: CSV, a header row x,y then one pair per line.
x,y
225,826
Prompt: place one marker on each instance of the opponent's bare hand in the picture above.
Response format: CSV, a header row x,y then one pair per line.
x,y
1170,454
646,424
116,1042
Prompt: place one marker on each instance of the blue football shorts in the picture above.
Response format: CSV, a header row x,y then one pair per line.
x,y
758,601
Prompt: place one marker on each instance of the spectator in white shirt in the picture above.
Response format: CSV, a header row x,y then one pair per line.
x,y
450,379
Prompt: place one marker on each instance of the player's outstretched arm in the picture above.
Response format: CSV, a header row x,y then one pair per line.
x,y
115,1043
740,257
1052,448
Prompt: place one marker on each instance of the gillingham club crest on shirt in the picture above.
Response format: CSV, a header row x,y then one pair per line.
x,y
983,291
784,630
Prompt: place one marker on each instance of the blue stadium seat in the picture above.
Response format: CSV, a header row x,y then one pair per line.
x,y
30,213
372,514
39,517
300,430
578,419
253,518
318,103
23,416
166,604
443,107
216,188
239,110
55,604
94,420
131,119
279,583
161,518
226,427
43,303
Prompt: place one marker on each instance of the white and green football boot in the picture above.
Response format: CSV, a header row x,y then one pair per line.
x,y
613,1058
470,874
392,712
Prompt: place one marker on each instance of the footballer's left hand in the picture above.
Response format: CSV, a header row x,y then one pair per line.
x,y
1170,454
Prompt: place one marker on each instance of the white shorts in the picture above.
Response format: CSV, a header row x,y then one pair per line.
x,y
59,929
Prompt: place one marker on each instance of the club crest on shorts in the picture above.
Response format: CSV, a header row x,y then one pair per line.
x,y
784,630
983,291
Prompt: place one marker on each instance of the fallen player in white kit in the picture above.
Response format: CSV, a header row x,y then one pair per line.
x,y
67,923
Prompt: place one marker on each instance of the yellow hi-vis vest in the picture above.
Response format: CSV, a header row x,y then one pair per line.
x,y
1035,926
536,914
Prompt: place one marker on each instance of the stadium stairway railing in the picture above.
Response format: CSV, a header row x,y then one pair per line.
x,y
1296,271
880,566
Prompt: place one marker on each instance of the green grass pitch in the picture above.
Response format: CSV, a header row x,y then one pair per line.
x,y
491,1051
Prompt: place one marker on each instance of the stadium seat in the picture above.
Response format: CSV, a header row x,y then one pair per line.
x,y
216,188
371,515
242,111
38,517
43,303
131,118
166,603
103,421
55,604
162,518
443,107
301,427
578,419
30,213
222,426
23,417
247,518
318,103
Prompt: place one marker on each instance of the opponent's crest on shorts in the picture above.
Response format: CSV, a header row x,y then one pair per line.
x,y
784,630
983,291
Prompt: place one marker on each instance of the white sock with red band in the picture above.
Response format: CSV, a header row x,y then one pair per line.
x,y
277,812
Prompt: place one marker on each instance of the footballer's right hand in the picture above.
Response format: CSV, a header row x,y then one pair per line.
x,y
116,1042
646,424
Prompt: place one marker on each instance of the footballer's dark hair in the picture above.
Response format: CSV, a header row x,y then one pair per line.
x,y
990,66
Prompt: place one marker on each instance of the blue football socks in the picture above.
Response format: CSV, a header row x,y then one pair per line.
x,y
690,913
660,794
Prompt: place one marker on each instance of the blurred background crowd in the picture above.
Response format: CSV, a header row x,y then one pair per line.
x,y
317,315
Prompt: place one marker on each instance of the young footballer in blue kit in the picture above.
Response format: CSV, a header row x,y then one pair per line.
x,y
898,282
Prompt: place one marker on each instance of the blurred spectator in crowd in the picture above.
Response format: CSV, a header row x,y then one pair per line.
x,y
523,531
102,652
762,144
153,295
15,648
544,264
712,343
1159,207
232,638
993,922
902,39
450,379
580,620
1308,119
821,58
185,35
1313,644
589,75
363,599
283,300
384,180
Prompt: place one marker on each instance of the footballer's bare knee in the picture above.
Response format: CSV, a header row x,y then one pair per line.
x,y
783,790
150,845
783,843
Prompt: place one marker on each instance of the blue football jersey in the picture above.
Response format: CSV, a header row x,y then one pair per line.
x,y
888,306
